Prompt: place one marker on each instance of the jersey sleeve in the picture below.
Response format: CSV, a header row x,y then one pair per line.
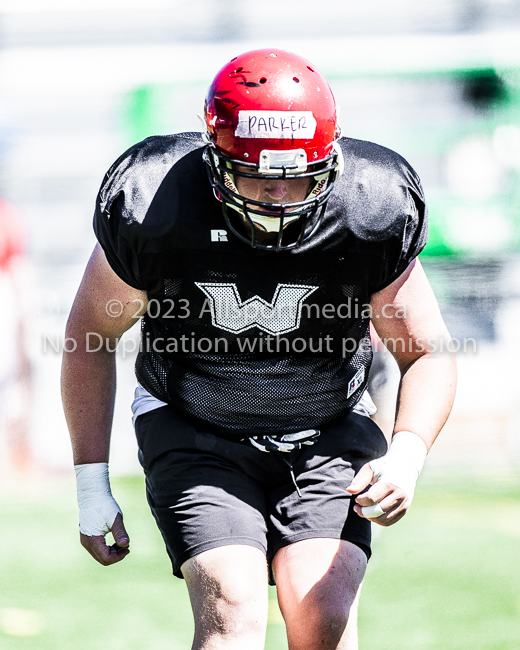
x,y
403,248
380,201
113,226
123,223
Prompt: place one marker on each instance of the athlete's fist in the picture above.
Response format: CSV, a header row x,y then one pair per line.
x,y
99,514
384,503
393,478
97,547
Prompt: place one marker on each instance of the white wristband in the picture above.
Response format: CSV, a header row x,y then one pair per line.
x,y
400,466
97,507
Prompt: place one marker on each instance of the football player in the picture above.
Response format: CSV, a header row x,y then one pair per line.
x,y
257,255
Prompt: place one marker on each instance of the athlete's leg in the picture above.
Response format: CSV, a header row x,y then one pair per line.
x,y
228,593
318,582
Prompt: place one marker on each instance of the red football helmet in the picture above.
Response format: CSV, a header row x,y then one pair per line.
x,y
271,113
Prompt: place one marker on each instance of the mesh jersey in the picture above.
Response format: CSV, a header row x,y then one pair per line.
x,y
250,340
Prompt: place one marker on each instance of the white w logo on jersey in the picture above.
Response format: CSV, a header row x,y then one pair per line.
x,y
280,316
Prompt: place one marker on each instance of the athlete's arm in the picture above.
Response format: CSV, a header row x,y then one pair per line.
x,y
407,318
89,377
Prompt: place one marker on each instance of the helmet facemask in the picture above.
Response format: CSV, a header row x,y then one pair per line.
x,y
249,219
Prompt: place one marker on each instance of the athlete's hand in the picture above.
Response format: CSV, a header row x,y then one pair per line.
x,y
391,502
99,514
393,478
97,547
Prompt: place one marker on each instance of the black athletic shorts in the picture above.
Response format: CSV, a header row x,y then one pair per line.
x,y
207,491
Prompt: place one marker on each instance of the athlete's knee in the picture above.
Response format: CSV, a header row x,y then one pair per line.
x,y
235,616
232,619
323,622
329,615
228,601
329,620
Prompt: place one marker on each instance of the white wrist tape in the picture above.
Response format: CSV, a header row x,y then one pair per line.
x,y
97,507
400,466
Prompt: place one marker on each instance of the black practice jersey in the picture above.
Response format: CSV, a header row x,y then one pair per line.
x,y
251,340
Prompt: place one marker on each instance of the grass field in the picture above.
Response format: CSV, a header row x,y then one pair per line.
x,y
447,577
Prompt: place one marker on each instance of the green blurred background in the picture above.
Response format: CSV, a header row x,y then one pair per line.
x,y
440,84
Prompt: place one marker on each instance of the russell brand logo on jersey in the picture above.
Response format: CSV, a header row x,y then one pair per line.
x,y
218,235
230,313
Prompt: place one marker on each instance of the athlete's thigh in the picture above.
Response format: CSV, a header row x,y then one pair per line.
x,y
318,582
